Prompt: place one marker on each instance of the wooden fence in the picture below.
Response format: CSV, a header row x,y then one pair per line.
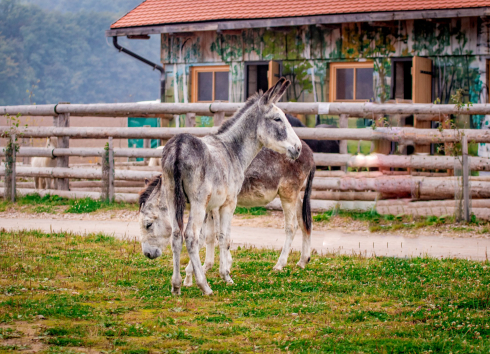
x,y
341,188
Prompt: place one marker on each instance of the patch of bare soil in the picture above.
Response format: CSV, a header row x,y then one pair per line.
x,y
22,336
273,219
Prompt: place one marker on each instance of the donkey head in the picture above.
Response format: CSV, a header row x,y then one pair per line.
x,y
155,226
273,128
52,142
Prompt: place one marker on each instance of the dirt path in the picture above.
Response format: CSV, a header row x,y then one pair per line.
x,y
268,237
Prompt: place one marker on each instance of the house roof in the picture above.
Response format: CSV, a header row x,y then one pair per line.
x,y
159,12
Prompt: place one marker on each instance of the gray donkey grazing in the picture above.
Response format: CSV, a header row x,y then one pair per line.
x,y
209,173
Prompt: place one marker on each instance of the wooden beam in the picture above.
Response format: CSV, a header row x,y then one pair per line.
x,y
353,109
400,135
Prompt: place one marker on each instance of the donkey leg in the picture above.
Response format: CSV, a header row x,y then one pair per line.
x,y
226,214
176,250
289,209
37,182
306,245
212,228
188,274
192,232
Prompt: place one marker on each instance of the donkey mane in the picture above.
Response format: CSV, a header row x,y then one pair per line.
x,y
145,193
250,102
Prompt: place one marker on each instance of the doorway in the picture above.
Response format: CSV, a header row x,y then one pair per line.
x,y
260,75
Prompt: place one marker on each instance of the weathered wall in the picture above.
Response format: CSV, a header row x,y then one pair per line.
x,y
457,47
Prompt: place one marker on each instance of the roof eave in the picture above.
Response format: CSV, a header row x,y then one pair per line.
x,y
297,21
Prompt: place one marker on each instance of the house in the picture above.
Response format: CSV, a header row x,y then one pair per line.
x,y
418,51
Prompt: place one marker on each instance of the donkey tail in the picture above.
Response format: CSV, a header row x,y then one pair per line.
x,y
306,210
179,196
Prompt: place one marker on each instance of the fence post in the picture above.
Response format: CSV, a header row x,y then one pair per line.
x,y
343,123
108,172
218,118
466,177
63,121
146,143
111,170
190,120
9,193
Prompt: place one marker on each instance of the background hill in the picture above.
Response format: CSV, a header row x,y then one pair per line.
x,y
53,51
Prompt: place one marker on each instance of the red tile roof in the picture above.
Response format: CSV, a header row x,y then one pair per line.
x,y
156,12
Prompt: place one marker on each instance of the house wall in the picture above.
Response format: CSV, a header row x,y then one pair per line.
x,y
458,47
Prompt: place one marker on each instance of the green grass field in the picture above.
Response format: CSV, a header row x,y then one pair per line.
x,y
97,293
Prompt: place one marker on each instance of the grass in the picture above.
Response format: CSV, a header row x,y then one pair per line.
x,y
380,223
255,211
97,293
34,203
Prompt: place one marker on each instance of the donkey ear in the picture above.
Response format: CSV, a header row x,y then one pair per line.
x,y
267,97
147,182
155,193
281,91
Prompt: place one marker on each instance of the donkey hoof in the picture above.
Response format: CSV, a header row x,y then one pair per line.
x,y
188,281
207,267
175,291
206,290
302,265
278,268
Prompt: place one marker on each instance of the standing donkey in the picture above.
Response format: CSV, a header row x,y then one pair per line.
x,y
270,175
209,172
41,182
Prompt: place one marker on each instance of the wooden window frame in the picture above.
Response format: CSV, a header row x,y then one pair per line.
x,y
195,70
346,65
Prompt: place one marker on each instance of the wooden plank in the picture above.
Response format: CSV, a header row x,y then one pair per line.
x,y
273,73
343,123
400,135
218,118
421,93
190,120
466,175
111,171
353,109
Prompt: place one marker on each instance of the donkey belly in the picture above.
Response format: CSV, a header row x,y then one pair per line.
x,y
256,197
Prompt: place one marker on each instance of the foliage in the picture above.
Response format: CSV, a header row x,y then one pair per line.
x,y
388,222
50,203
102,295
251,211
47,56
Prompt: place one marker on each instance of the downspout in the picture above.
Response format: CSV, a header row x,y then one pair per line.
x,y
147,62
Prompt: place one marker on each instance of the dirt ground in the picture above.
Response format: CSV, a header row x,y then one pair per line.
x,y
273,219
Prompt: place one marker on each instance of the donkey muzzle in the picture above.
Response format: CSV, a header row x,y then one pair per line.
x,y
150,251
294,151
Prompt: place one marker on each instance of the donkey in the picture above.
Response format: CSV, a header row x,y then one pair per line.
x,y
269,175
209,173
41,182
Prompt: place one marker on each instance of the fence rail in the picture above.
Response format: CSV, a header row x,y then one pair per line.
x,y
400,135
406,136
321,159
154,109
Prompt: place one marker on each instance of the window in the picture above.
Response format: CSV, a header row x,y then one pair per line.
x,y
210,83
351,81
